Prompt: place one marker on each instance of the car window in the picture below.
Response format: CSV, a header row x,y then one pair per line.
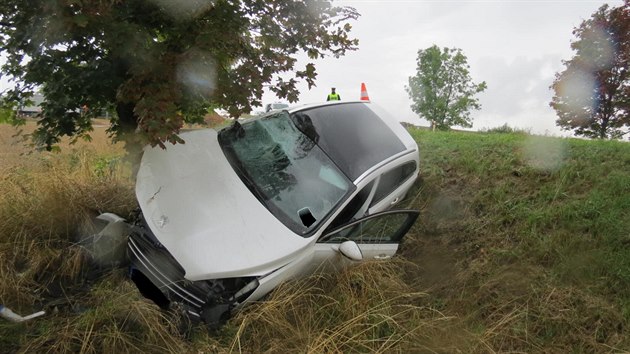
x,y
393,179
350,211
386,227
286,170
353,135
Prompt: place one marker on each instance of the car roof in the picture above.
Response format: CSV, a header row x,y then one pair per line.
x,y
354,136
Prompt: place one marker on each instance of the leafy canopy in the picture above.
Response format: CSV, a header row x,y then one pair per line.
x,y
592,94
442,90
157,64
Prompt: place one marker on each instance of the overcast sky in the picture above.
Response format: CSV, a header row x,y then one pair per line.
x,y
516,47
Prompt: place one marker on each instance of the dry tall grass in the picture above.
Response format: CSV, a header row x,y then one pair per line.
x,y
44,196
469,278
15,148
109,318
368,308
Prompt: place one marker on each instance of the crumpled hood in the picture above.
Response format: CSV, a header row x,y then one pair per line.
x,y
204,215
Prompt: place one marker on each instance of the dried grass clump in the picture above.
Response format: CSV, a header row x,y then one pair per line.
x,y
46,199
519,309
553,319
368,308
111,318
41,208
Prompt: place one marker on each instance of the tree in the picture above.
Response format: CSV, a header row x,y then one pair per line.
x,y
592,94
157,64
442,90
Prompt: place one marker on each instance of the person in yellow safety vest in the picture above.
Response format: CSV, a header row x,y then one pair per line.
x,y
333,96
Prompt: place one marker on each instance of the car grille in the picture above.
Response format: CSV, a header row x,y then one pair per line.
x,y
161,269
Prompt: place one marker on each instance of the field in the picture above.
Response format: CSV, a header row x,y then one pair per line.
x,y
523,245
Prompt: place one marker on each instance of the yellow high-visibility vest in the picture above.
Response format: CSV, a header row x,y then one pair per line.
x,y
333,97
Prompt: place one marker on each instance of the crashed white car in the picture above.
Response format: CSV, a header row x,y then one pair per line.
x,y
229,215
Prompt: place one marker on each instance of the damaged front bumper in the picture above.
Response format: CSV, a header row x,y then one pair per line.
x,y
160,278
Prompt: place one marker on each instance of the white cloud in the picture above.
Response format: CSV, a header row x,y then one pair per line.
x,y
515,46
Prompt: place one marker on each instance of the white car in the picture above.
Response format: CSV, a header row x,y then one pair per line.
x,y
275,106
229,215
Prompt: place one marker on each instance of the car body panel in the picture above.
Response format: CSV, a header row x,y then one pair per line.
x,y
326,257
199,209
206,223
321,257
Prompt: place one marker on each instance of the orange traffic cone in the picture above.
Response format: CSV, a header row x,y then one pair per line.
x,y
364,95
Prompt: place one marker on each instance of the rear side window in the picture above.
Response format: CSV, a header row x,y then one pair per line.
x,y
392,180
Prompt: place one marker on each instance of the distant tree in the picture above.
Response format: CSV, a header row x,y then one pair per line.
x,y
442,90
592,95
159,63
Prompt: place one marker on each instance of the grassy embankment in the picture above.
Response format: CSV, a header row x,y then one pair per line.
x,y
523,245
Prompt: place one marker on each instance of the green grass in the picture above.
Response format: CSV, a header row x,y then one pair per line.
x,y
523,245
540,232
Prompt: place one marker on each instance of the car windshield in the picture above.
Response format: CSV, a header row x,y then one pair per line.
x,y
285,169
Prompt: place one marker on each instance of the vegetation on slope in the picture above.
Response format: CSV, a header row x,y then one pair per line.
x,y
523,245
533,234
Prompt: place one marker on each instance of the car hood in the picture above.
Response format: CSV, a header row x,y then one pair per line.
x,y
200,210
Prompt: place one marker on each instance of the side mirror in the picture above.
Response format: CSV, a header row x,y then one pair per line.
x,y
351,250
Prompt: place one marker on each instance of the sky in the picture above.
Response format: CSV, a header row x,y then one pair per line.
x,y
516,47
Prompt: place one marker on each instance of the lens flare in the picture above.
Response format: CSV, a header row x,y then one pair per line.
x,y
544,153
578,88
184,9
197,73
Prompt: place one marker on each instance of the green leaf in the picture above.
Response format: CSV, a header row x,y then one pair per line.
x,y
442,90
81,20
158,66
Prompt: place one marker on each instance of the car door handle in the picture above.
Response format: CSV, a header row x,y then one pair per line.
x,y
382,256
394,201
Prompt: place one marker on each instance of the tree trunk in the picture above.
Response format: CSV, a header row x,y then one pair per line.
x,y
126,118
603,127
128,123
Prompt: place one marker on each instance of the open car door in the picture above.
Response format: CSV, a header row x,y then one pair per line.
x,y
376,236
373,237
